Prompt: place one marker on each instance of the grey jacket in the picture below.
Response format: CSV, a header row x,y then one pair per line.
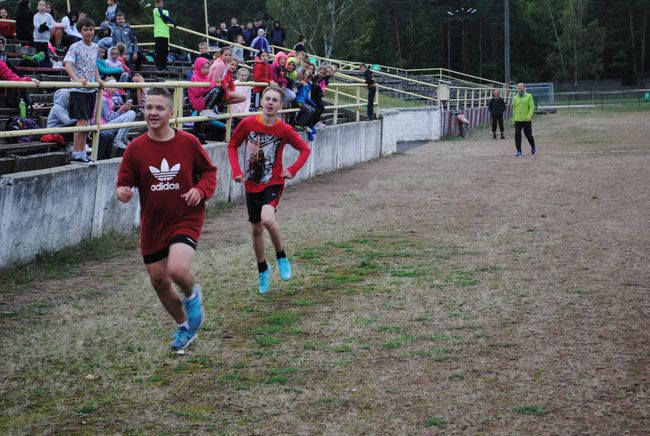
x,y
126,36
59,116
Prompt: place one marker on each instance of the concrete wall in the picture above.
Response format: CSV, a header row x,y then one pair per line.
x,y
49,209
417,124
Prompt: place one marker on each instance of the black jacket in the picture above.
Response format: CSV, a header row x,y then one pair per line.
x,y
497,106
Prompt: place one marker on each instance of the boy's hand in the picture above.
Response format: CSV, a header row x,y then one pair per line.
x,y
124,193
101,82
83,82
287,175
239,179
193,197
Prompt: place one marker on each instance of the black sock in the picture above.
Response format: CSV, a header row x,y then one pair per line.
x,y
280,254
262,266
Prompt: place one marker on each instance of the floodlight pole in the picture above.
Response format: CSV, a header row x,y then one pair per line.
x,y
506,28
205,9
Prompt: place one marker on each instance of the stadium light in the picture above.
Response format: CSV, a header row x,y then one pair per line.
x,y
461,13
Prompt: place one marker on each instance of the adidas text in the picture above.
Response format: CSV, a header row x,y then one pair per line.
x,y
166,186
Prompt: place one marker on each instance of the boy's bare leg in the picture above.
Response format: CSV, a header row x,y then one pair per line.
x,y
162,283
257,231
272,226
179,267
79,142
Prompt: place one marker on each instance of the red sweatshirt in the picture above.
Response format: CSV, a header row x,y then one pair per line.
x,y
263,156
261,73
162,172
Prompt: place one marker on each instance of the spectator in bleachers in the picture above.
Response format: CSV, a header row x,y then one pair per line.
x,y
230,96
307,115
258,23
369,77
222,32
8,30
3,55
7,74
261,73
112,10
318,92
197,96
235,30
104,37
161,34
59,115
237,51
24,22
114,115
249,33
81,66
104,69
278,72
244,90
212,31
140,93
44,24
260,43
277,34
203,52
121,53
69,34
122,33
113,61
300,45
220,65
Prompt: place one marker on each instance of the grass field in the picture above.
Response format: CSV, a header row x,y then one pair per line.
x,y
448,289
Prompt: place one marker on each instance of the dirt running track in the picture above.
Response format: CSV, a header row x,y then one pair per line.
x,y
541,302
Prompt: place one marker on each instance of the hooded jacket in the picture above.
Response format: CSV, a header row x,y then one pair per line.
x,y
104,36
197,95
277,71
126,36
523,107
277,34
59,116
7,74
261,73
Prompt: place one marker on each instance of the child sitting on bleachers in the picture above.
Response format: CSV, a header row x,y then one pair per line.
x,y
244,90
113,115
105,70
114,61
261,73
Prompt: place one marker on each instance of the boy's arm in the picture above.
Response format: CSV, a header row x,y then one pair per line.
x,y
235,142
531,107
126,178
207,172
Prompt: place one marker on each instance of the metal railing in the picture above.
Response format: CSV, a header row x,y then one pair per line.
x,y
177,119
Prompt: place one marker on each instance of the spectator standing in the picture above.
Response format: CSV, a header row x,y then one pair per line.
x,y
277,34
260,43
249,33
235,30
112,10
122,33
238,50
24,22
523,107
161,34
258,23
43,25
369,77
8,30
497,107
81,65
172,203
300,45
223,32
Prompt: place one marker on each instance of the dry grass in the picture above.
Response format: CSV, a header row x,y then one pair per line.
x,y
451,289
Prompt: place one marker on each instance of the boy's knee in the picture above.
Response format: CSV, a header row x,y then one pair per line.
x,y
257,228
179,273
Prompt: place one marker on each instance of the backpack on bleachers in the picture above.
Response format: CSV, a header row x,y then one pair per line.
x,y
18,123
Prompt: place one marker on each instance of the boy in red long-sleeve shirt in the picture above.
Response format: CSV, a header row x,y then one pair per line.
x,y
174,177
265,137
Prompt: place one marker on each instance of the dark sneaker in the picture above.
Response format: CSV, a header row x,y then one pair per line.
x,y
533,150
519,154
82,160
184,337
194,309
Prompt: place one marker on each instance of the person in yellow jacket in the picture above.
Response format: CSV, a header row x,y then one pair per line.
x,y
523,107
161,34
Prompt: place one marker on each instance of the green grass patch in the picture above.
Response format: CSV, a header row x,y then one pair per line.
x,y
529,410
391,329
435,422
218,209
267,341
461,278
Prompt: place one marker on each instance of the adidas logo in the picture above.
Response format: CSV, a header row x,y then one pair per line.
x,y
165,173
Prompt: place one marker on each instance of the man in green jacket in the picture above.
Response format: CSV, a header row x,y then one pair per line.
x,y
161,34
522,114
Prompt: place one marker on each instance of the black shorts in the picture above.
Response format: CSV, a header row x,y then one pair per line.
x,y
160,255
82,105
256,200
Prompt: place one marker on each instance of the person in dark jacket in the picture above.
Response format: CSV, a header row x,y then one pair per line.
x,y
24,22
278,34
234,30
369,77
497,106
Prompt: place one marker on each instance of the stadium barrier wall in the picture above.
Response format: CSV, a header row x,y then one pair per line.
x,y
413,124
47,210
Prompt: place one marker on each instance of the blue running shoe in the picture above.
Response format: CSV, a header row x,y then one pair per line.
x,y
518,154
184,337
194,308
284,267
264,280
310,136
